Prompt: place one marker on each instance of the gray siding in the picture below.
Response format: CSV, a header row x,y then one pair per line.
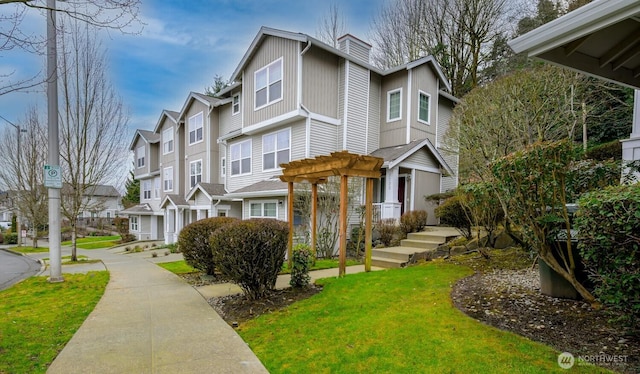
x,y
281,209
169,159
201,199
357,109
341,93
422,157
137,172
395,132
426,184
445,111
327,133
154,156
423,79
198,151
212,124
373,141
320,82
272,49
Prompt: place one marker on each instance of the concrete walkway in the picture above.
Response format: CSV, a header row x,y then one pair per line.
x,y
150,321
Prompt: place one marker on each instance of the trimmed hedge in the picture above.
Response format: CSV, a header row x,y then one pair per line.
x,y
250,253
605,151
193,242
609,226
301,260
452,213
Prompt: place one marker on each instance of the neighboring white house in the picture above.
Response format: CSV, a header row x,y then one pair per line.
x,y
293,97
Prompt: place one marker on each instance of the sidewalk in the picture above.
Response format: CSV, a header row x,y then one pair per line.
x,y
150,321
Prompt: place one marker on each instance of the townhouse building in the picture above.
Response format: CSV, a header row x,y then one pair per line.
x,y
294,97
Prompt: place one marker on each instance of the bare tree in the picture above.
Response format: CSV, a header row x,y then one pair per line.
x,y
93,123
332,25
21,170
458,33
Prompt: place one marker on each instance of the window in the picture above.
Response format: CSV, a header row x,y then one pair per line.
x,y
268,84
235,106
168,179
275,149
156,188
223,167
266,209
195,128
241,158
394,103
146,190
195,173
167,141
133,223
423,107
140,156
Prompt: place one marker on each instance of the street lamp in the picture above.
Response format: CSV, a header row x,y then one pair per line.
x,y
20,186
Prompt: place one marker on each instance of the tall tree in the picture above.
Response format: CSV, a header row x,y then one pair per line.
x,y
132,194
219,83
93,123
456,32
21,169
332,25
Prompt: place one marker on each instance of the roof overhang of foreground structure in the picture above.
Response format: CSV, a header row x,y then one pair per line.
x,y
601,39
317,170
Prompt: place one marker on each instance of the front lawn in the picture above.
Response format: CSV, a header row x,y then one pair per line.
x,y
38,318
30,249
95,242
178,267
181,267
395,321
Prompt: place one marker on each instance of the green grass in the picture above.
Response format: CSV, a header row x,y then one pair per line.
x,y
321,265
178,267
38,318
95,242
395,321
30,249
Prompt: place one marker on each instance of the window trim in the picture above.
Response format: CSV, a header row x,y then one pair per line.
x,y
164,180
239,144
235,110
428,122
165,142
156,188
276,165
191,175
138,158
262,203
389,93
146,183
223,166
255,88
133,224
195,130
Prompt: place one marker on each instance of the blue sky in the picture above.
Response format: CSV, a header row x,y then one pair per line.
x,y
184,44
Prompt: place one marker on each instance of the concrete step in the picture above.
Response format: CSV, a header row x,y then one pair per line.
x,y
391,254
420,244
387,263
434,236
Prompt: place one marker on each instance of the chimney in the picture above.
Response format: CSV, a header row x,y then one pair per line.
x,y
355,47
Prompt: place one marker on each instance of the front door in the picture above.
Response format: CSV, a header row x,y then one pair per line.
x,y
401,192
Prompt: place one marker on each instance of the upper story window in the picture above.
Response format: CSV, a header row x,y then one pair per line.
x,y
156,188
424,110
223,167
146,190
140,156
394,103
167,177
241,158
195,173
264,210
268,84
195,128
235,105
167,141
276,149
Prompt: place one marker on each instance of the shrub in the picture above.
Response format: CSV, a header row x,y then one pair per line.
x,y
250,254
301,260
387,229
606,151
122,225
413,221
194,242
1,238
609,223
126,238
11,238
452,213
481,202
154,254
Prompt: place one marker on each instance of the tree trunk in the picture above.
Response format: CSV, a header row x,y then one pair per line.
x,y
547,257
74,236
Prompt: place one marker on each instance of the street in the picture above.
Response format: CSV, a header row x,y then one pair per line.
x,y
14,268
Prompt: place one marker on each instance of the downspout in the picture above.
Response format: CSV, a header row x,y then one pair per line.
x,y
215,207
409,79
307,141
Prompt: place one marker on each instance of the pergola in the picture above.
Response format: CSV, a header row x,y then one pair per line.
x,y
316,171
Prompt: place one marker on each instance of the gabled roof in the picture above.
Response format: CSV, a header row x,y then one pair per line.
x,y
267,31
104,190
140,209
393,156
601,38
175,200
268,187
211,190
170,114
149,137
210,102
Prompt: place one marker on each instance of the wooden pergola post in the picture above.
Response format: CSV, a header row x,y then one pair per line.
x,y
290,218
368,224
344,198
314,218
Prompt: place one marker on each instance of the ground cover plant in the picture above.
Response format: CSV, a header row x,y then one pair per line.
x,y
30,249
95,242
399,321
178,267
38,318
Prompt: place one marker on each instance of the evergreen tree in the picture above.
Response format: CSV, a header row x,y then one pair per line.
x,y
132,196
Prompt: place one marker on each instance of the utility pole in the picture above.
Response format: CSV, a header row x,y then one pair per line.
x,y
53,157
20,185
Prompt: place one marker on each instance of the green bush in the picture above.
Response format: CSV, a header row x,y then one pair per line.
x,y
605,151
301,261
11,238
452,213
413,221
250,254
609,223
387,229
193,242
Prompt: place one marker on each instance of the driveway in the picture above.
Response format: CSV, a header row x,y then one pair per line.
x,y
14,268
